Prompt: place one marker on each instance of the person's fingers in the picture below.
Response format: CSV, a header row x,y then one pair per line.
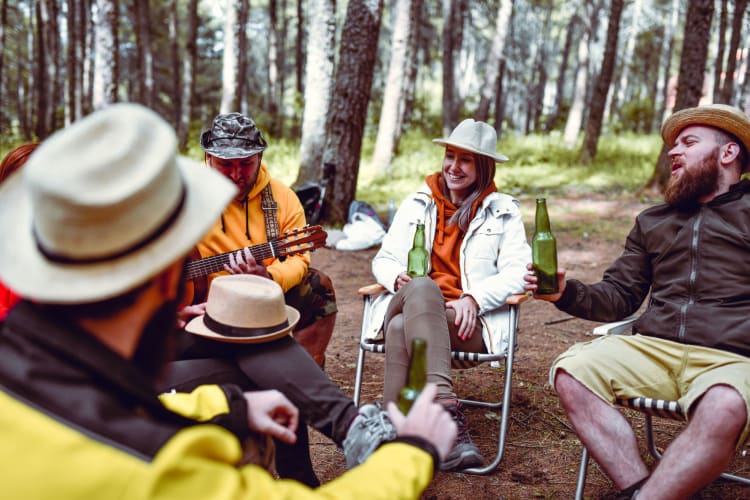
x,y
397,418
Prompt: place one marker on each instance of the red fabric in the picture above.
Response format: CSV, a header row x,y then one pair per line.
x,y
7,300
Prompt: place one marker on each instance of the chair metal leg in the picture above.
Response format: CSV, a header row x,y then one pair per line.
x,y
505,413
582,469
358,376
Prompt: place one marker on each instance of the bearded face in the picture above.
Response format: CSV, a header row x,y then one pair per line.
x,y
693,182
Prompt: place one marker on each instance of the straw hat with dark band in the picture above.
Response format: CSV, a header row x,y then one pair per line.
x,y
102,206
721,116
244,309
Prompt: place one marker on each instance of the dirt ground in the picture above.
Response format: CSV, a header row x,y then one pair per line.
x,y
541,453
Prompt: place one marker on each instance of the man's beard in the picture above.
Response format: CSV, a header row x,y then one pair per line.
x,y
157,344
694,183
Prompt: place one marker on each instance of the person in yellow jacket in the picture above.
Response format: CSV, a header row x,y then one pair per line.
x,y
95,235
263,210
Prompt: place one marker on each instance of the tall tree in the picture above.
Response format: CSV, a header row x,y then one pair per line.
x,y
72,61
603,82
145,55
393,97
719,62
318,88
240,98
727,91
489,87
453,26
667,47
229,59
575,116
562,72
188,73
627,57
3,24
46,61
174,48
351,95
690,80
105,72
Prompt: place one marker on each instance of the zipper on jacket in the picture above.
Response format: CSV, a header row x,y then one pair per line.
x,y
692,276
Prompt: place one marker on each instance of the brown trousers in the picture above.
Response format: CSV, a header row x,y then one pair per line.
x,y
418,310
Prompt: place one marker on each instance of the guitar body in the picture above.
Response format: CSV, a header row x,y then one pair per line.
x,y
197,269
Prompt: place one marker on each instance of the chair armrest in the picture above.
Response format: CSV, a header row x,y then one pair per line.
x,y
616,327
372,289
517,299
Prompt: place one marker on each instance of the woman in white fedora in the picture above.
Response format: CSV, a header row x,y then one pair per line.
x,y
478,252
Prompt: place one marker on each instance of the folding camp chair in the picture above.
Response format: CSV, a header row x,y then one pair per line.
x,y
648,407
459,360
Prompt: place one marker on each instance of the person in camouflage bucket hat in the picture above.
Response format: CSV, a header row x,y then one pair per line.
x,y
234,146
233,135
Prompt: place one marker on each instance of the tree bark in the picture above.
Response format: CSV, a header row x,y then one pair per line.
x,y
145,54
351,95
562,71
174,46
240,97
318,89
489,87
452,41
575,116
603,82
105,75
188,73
393,98
719,62
690,80
662,90
727,91
229,60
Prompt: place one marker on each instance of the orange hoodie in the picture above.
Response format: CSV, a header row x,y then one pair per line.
x,y
446,248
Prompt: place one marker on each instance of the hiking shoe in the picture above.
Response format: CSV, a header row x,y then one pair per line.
x,y
464,453
369,428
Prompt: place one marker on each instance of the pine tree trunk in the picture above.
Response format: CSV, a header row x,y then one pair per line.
x,y
229,60
603,82
351,96
104,91
719,62
575,116
188,72
727,91
318,89
489,87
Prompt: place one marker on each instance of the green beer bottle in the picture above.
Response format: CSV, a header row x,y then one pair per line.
x,y
417,258
417,376
544,251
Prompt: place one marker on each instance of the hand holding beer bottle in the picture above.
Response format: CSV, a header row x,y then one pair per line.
x,y
417,258
544,251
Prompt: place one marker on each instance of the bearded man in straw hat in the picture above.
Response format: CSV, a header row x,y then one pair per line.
x,y
692,343
95,234
263,210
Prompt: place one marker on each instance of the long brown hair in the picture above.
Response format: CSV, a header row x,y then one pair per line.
x,y
485,169
15,159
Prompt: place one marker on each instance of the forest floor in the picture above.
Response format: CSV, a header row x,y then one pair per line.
x,y
542,452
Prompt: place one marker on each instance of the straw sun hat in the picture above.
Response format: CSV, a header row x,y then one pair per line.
x,y
102,206
476,137
244,309
721,116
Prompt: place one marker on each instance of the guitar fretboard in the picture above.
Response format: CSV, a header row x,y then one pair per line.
x,y
215,263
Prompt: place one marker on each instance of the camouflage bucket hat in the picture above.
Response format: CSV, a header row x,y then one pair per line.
x,y
233,135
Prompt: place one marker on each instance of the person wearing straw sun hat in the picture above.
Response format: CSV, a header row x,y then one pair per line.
x,y
690,257
96,229
478,252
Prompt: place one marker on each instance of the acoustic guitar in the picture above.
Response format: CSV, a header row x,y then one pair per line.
x,y
296,241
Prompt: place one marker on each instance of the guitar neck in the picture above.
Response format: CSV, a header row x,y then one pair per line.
x,y
215,263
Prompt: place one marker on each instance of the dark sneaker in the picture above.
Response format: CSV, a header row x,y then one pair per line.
x,y
464,453
370,428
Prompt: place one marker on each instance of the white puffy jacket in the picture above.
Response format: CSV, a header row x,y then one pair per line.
x,y
494,254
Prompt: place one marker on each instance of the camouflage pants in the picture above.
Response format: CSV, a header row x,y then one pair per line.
x,y
314,298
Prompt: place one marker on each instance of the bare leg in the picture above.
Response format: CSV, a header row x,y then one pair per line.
x,y
315,337
603,430
703,450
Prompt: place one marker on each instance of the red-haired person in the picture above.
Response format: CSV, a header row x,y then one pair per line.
x,y
10,164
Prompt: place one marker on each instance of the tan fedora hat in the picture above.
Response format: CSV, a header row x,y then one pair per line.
x,y
102,206
244,309
474,136
721,116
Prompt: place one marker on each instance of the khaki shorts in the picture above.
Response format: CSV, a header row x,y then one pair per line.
x,y
630,366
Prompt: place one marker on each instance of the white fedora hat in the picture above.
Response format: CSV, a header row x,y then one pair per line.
x,y
102,206
474,136
244,309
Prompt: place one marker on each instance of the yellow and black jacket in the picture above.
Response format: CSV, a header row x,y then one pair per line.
x,y
78,421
